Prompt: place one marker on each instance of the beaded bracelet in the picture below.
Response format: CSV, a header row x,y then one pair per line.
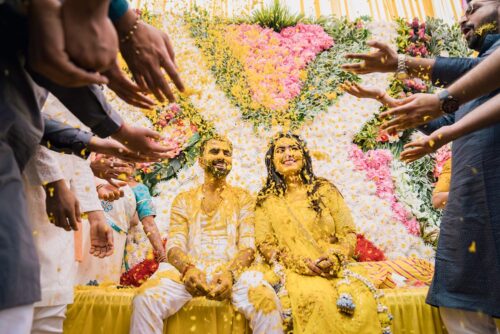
x,y
130,33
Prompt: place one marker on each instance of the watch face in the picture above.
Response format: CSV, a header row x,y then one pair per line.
x,y
450,105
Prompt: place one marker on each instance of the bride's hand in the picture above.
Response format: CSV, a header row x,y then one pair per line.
x,y
314,270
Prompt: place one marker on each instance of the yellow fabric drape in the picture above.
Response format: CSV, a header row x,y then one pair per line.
x,y
346,8
336,8
317,8
391,6
107,310
302,9
428,8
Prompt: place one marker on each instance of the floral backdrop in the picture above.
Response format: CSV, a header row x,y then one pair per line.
x,y
250,77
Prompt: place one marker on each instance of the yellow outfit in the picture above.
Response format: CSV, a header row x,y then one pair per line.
x,y
295,229
443,183
211,240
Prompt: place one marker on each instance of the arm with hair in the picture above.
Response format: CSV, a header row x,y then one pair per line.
x,y
485,115
483,79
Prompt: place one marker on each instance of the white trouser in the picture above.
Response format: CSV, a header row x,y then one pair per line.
x,y
467,322
48,319
165,299
16,319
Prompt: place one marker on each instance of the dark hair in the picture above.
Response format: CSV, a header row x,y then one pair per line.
x,y
275,183
214,137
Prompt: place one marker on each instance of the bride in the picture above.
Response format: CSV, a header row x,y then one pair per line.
x,y
305,231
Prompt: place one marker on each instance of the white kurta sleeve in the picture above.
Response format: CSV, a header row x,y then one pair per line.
x,y
246,222
82,183
43,167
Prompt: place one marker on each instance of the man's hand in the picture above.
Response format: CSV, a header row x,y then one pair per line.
x,y
111,147
413,111
221,286
385,59
110,193
62,206
146,52
362,91
126,89
101,235
418,149
90,37
195,281
47,54
142,141
111,169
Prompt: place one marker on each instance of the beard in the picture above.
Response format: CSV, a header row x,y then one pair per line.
x,y
489,25
217,172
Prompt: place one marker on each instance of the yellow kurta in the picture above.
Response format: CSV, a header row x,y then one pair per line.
x,y
212,240
296,229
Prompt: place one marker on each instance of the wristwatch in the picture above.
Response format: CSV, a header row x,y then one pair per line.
x,y
449,104
402,71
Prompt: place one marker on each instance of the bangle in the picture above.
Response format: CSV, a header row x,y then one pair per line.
x,y
160,258
131,32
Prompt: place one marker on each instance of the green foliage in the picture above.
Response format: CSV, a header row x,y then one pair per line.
x,y
446,40
276,17
324,74
168,169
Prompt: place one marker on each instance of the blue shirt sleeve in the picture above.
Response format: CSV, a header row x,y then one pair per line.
x,y
60,137
145,206
437,123
447,70
117,9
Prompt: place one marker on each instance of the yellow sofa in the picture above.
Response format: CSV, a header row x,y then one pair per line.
x,y
106,310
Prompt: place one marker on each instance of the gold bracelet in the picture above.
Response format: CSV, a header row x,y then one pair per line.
x,y
130,33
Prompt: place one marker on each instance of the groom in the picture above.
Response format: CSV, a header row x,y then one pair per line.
x,y
210,245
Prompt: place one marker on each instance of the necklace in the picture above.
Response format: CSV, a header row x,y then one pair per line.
x,y
204,208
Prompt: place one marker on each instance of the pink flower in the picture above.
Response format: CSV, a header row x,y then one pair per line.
x,y
274,60
377,165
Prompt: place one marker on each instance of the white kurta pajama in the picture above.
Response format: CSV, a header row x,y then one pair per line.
x,y
55,246
211,241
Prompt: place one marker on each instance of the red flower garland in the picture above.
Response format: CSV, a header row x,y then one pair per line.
x,y
366,251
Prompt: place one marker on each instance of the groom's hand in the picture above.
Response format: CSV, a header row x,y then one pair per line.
x,y
195,281
222,287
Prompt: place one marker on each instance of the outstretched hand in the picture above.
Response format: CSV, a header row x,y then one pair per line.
x,y
363,92
385,59
127,90
101,235
413,111
90,37
47,53
142,141
429,144
147,52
